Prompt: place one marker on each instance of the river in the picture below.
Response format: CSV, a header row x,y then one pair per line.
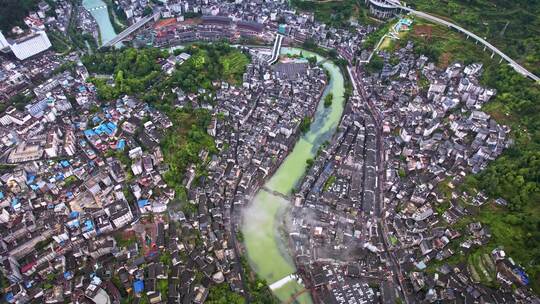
x,y
99,11
266,248
267,251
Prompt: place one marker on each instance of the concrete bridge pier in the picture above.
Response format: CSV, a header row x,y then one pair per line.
x,y
500,60
484,47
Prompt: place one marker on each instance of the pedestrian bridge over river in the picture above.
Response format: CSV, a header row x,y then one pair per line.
x,y
276,193
280,283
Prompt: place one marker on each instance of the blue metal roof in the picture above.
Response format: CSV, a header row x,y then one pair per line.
x,y
142,203
121,144
138,286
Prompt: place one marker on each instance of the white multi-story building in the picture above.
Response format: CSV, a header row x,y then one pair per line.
x,y
3,42
27,46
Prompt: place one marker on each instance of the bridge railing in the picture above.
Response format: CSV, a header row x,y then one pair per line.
x,y
132,28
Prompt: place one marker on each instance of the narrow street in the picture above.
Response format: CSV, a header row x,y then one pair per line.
x,y
380,207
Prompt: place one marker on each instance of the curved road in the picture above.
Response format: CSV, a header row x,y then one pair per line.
x,y
520,69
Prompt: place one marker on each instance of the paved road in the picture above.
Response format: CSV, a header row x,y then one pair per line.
x,y
276,49
132,28
520,69
395,269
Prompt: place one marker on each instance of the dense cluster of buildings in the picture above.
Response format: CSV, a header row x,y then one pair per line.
x,y
86,213
434,133
247,22
19,77
64,192
331,223
80,172
34,40
255,126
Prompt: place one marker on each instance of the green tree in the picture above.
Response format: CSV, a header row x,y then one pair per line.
x,y
305,124
222,294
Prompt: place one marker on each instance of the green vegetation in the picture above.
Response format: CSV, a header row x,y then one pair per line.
x,y
234,66
6,167
69,181
442,207
123,240
513,26
59,42
375,65
515,175
336,13
423,82
4,282
163,287
305,124
443,46
310,44
240,236
329,182
482,268
393,240
13,13
222,294
328,100
133,71
68,66
118,284
208,63
19,101
117,16
373,38
183,142
42,244
258,289
122,156
312,60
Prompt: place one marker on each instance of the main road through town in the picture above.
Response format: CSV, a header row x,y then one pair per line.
x,y
355,74
266,247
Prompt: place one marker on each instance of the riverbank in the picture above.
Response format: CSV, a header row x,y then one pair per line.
x,y
98,10
266,249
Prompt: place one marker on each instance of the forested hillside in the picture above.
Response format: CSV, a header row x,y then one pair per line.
x,y
513,26
12,13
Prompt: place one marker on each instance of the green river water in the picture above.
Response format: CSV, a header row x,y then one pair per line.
x,y
267,249
98,9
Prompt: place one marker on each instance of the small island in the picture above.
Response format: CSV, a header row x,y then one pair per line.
x,y
328,100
